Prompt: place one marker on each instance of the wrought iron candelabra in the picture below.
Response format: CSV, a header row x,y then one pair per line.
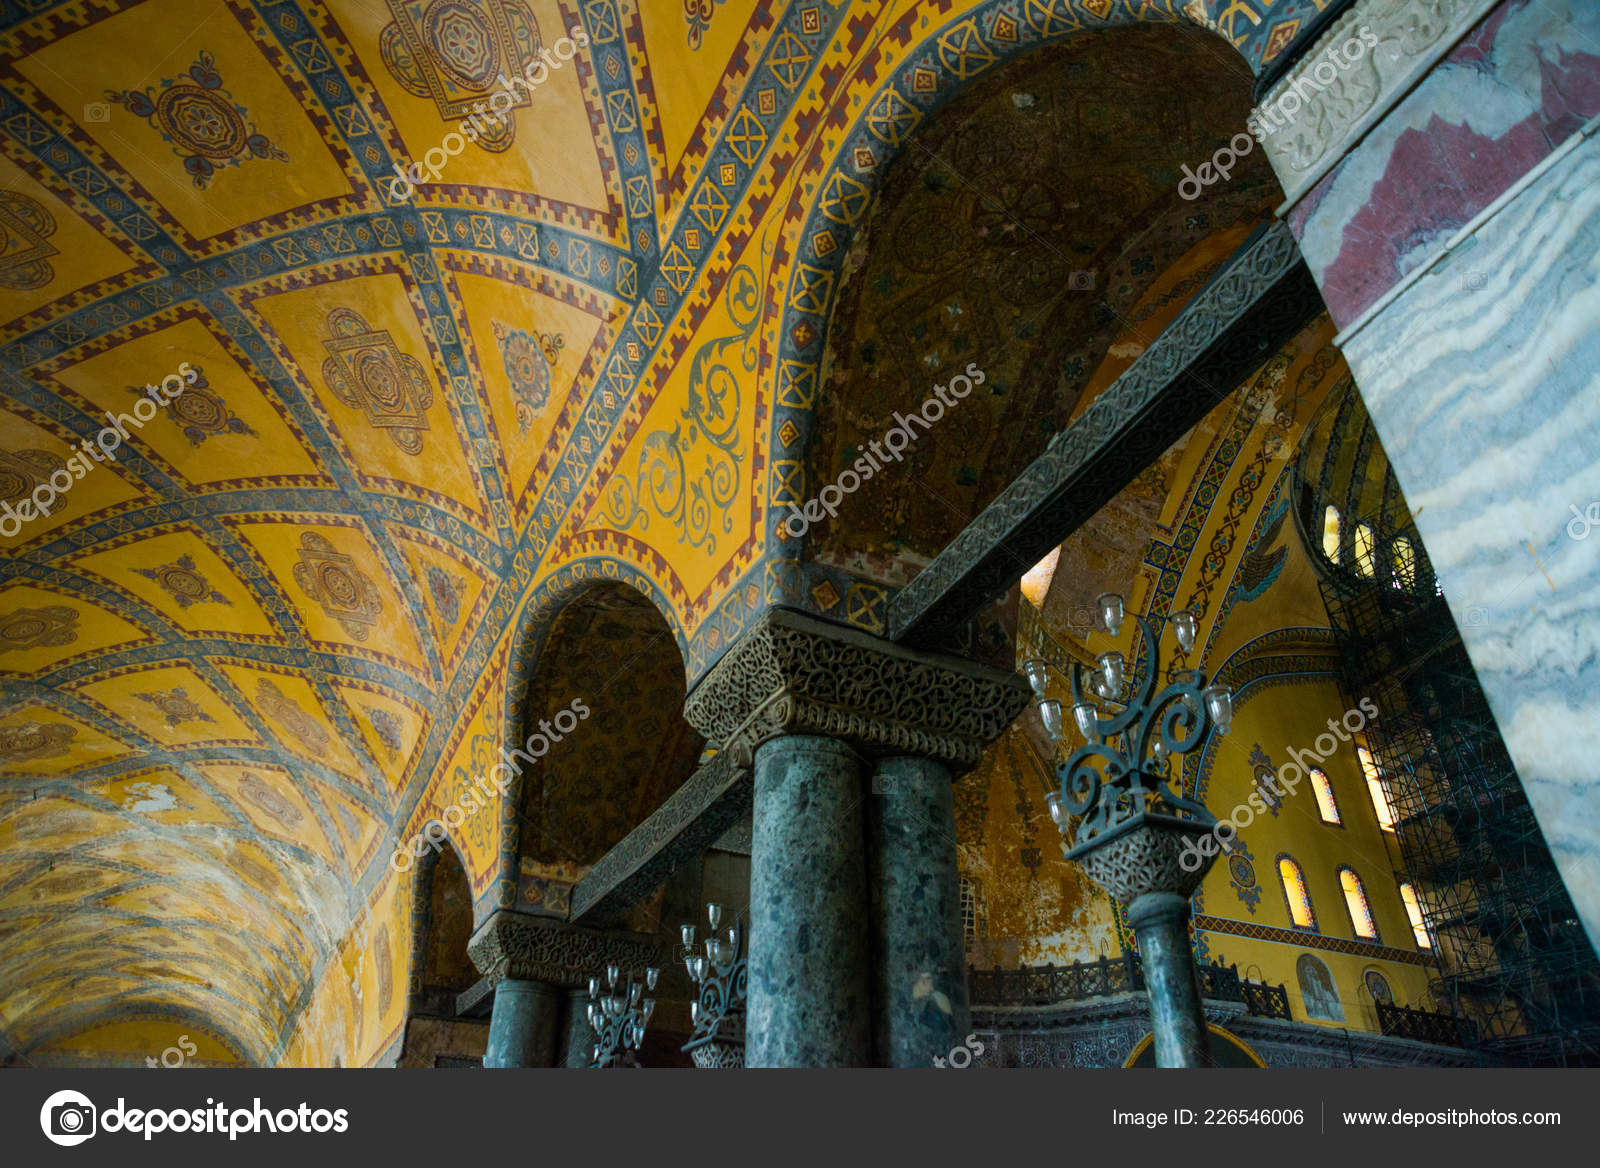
x,y
618,1016
718,1012
1127,821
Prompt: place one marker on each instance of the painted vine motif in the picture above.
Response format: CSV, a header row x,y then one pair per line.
x,y
697,504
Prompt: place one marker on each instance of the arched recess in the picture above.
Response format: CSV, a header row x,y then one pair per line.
x,y
926,232
603,740
1227,1050
441,926
545,606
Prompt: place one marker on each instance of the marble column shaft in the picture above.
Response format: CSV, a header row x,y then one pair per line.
x,y
918,966
577,1038
808,995
524,1026
1160,921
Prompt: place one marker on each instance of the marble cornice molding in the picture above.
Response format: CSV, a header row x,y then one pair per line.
x,y
527,948
794,674
1413,36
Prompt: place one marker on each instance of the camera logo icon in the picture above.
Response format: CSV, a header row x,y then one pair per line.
x,y
68,1118
97,111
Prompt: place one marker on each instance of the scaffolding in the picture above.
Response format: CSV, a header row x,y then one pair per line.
x,y
1514,962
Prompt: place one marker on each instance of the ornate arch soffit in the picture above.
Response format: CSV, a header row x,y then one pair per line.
x,y
931,75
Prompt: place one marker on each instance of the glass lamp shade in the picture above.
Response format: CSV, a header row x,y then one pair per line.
x,y
698,971
594,987
597,1052
1058,813
1219,704
651,976
694,1012
688,936
1184,627
648,1007
1034,670
1111,612
611,976
714,915
1111,666
1160,752
1050,718
1088,719
635,992
733,936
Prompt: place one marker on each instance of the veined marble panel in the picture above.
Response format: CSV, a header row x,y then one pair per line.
x,y
1483,377
1505,97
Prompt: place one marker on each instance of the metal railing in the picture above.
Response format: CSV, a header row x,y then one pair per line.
x,y
1423,1025
1050,985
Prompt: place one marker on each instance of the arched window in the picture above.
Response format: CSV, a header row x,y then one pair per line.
x,y
1363,542
1331,533
1295,894
1419,926
1405,563
1323,790
1378,789
1317,992
1355,899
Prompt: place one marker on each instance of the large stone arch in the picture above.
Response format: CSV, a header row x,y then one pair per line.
x,y
840,182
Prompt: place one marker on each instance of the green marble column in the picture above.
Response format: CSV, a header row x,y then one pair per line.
x,y
1161,922
525,1025
577,1039
919,977
808,998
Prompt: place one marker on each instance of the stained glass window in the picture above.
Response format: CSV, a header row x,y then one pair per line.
x,y
1419,927
1330,533
1378,789
1294,892
1363,542
1325,801
1355,899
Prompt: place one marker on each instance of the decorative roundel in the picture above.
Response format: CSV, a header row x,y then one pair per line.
x,y
380,380
23,627
528,369
336,582
202,122
200,410
463,43
1242,871
185,583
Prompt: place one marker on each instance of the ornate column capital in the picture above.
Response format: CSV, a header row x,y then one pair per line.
x,y
794,674
527,948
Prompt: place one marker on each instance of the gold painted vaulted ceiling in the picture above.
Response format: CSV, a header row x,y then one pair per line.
x,y
272,623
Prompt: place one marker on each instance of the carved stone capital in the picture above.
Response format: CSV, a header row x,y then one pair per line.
x,y
1311,118
526,948
793,674
1148,858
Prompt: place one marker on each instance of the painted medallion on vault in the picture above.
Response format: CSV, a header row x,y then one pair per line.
x,y
331,578
183,581
202,122
22,472
529,359
200,413
32,740
24,227
38,628
368,372
454,51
